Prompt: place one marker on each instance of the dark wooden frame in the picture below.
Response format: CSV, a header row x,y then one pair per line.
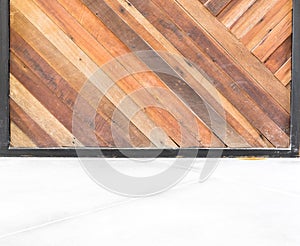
x,y
6,151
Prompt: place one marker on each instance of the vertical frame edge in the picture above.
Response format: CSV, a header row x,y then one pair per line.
x,y
4,75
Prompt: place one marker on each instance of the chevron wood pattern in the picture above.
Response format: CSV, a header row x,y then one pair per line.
x,y
264,27
228,61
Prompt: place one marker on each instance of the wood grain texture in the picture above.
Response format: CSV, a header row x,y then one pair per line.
x,y
188,72
280,56
262,26
216,6
231,77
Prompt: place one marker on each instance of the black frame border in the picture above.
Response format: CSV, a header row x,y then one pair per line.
x,y
6,151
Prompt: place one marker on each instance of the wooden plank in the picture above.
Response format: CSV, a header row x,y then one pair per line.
x,y
216,6
234,10
212,50
258,71
133,41
67,42
61,89
284,73
145,79
274,39
86,66
42,93
23,123
222,81
252,16
188,72
163,120
18,138
34,109
267,23
74,78
280,56
203,1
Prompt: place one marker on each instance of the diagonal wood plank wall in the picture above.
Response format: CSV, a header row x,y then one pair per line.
x,y
237,67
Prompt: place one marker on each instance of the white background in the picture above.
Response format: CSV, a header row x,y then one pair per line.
x,y
54,202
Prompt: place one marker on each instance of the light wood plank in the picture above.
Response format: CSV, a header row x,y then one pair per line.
x,y
234,11
19,139
267,23
252,16
284,73
274,39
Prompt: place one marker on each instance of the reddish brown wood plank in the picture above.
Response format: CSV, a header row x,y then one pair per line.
x,y
280,56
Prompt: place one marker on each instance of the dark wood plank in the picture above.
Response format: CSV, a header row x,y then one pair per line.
x,y
280,56
203,1
216,6
233,11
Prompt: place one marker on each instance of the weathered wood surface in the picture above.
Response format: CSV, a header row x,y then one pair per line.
x,y
262,26
236,70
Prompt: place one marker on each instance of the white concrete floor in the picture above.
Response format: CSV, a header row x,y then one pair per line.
x,y
53,202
